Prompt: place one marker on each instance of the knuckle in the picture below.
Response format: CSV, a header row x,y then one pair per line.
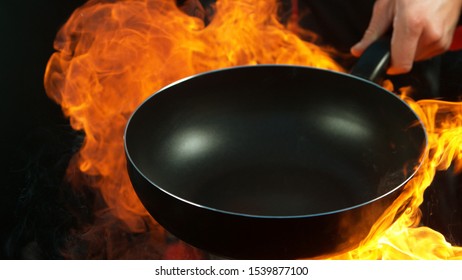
x,y
415,24
437,40
441,45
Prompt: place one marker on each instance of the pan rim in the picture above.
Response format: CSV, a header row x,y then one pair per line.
x,y
423,154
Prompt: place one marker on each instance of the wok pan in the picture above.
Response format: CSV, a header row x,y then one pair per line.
x,y
273,161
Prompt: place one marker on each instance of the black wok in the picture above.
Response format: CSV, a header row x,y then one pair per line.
x,y
272,161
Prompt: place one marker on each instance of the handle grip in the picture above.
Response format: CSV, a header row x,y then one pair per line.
x,y
374,62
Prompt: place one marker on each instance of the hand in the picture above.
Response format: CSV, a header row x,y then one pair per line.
x,y
421,29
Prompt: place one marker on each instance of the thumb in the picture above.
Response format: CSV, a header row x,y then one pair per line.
x,y
380,23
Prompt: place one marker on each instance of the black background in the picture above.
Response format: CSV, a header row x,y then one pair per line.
x,y
28,117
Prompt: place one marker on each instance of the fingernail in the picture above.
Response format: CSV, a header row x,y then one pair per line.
x,y
356,50
397,70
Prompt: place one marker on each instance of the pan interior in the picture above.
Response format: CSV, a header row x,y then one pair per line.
x,y
275,141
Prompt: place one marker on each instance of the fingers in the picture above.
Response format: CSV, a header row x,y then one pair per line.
x,y
416,36
421,29
404,43
380,23
405,38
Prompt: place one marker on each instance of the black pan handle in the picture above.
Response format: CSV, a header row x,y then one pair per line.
x,y
374,62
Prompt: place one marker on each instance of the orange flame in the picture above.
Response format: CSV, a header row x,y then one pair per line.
x,y
402,239
111,55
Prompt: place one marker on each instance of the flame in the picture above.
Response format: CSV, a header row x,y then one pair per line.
x,y
111,55
403,239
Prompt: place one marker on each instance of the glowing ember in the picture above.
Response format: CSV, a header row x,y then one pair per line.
x,y
111,55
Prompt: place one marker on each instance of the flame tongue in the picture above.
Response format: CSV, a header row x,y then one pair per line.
x,y
401,239
111,55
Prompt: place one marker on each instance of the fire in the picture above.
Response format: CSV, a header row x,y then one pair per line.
x,y
402,239
111,55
